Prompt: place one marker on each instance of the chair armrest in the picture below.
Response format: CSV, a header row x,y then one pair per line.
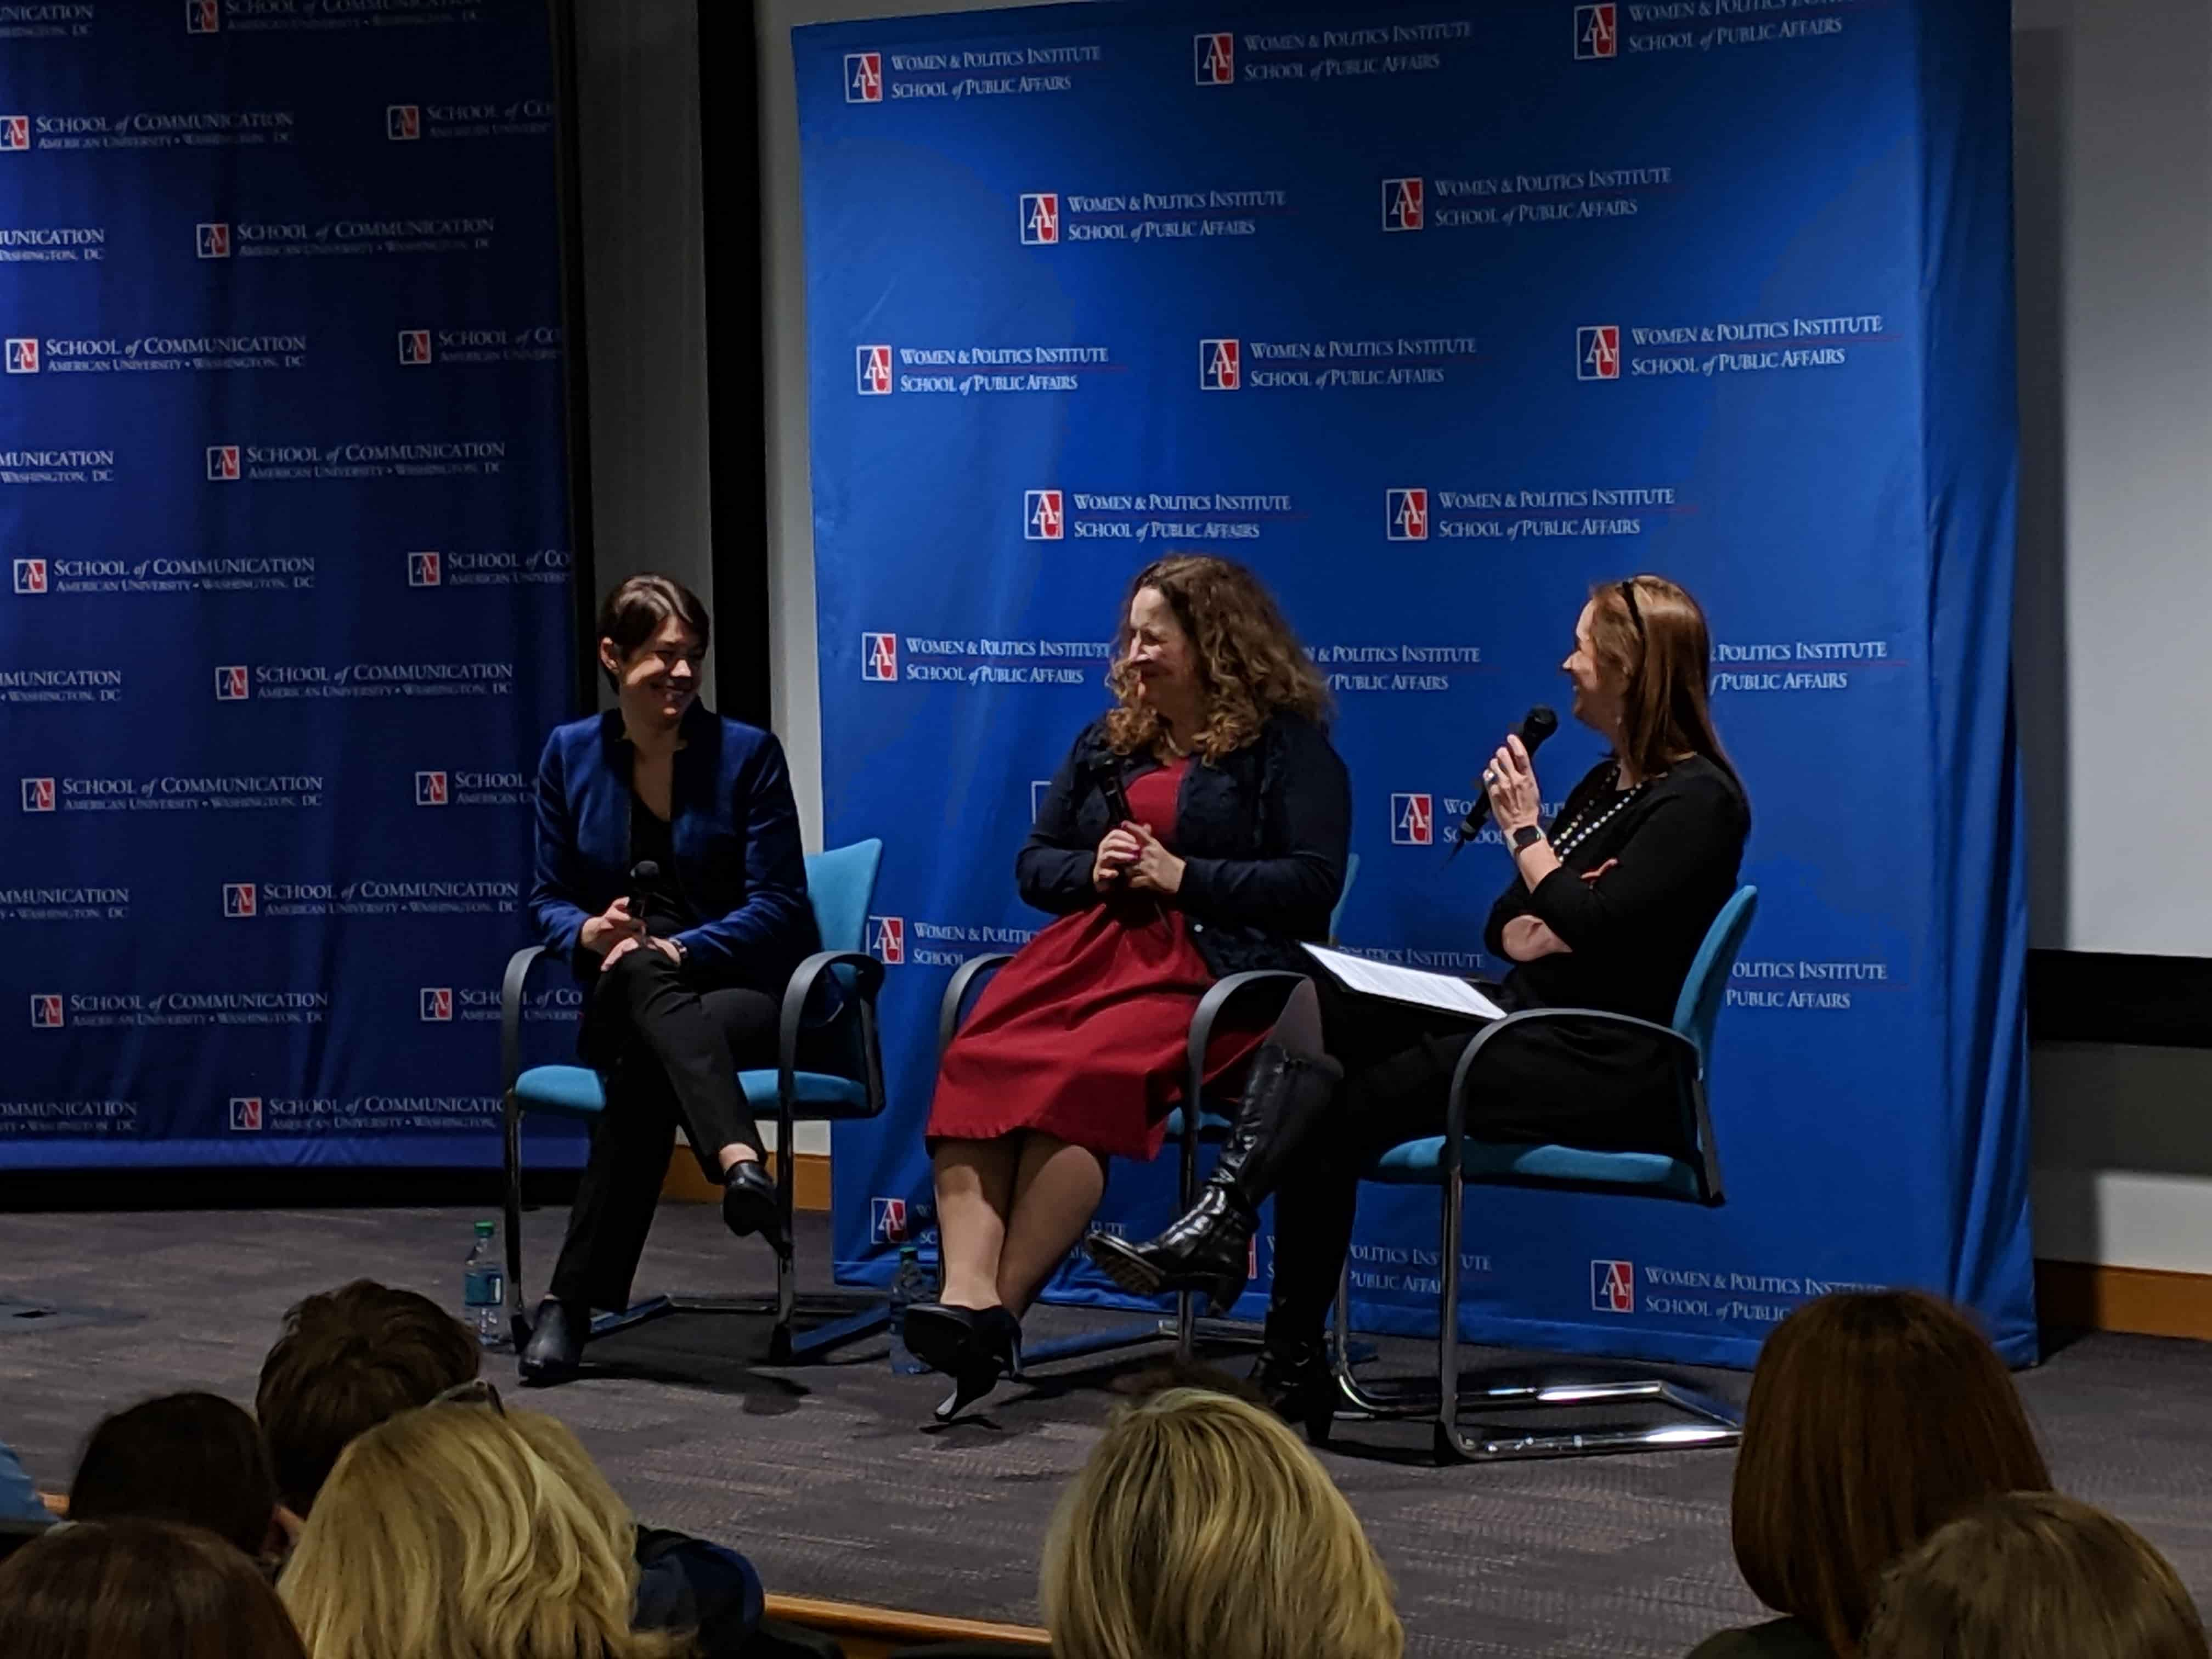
x,y
955,994
511,988
798,992
1455,1108
1215,1002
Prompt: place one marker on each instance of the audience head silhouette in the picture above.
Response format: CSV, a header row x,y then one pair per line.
x,y
1874,1417
447,1534
348,1359
139,1589
195,1459
2034,1576
1201,1526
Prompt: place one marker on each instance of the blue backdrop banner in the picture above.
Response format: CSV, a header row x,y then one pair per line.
x,y
1434,314
282,502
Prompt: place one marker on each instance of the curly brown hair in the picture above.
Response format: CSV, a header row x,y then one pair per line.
x,y
1249,663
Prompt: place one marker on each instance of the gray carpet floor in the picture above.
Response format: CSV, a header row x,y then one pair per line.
x,y
833,1478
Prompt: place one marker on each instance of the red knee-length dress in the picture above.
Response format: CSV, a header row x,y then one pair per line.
x,y
1082,1035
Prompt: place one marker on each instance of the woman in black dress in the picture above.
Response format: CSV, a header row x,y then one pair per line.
x,y
1605,910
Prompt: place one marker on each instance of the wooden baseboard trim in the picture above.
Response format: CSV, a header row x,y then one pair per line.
x,y
684,1183
2085,1295
858,1628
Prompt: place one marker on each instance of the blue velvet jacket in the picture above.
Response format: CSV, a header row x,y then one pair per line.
x,y
736,833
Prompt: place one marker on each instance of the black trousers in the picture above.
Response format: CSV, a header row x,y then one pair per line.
x,y
667,1052
1609,1092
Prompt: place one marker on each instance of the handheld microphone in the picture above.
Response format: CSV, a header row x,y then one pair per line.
x,y
642,875
1538,724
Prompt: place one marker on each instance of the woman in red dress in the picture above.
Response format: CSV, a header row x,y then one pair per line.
x,y
1197,829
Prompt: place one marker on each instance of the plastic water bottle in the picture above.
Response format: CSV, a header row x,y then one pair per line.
x,y
909,1285
484,1289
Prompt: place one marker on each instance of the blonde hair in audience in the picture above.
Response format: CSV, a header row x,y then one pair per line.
x,y
455,1532
2034,1576
1201,1526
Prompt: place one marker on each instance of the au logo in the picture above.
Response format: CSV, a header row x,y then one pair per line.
x,y
205,17
1220,366
15,133
30,576
1405,514
240,900
231,683
1597,352
403,123
878,657
1413,820
437,1003
222,463
22,356
886,1220
1214,59
45,1011
1597,31
1040,217
1405,205
425,570
1612,1283
887,939
245,1113
212,240
414,346
864,77
430,789
872,365
38,795
1042,519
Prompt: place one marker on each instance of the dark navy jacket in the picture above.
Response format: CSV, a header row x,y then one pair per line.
x,y
1262,833
736,833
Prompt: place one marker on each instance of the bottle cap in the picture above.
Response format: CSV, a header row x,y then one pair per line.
x,y
906,1250
483,1229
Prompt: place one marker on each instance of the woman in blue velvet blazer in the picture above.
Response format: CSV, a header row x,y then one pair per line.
x,y
669,873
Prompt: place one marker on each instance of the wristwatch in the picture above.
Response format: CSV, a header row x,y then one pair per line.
x,y
1527,837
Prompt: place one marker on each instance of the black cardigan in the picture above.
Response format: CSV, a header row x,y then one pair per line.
x,y
1632,933
1262,833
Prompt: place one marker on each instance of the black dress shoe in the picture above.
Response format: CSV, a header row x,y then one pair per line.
x,y
974,1346
555,1348
749,1207
1299,1386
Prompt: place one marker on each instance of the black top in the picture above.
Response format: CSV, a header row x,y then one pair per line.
x,y
1778,1638
1262,832
1676,846
666,910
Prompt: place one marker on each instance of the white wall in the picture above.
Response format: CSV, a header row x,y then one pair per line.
x,y
2114,126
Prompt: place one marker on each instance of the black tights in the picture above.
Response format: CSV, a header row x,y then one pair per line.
x,y
668,1054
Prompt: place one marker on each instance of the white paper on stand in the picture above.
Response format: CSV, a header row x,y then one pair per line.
x,y
1422,990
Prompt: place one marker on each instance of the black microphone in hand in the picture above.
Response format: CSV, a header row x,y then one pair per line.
x,y
642,875
1538,724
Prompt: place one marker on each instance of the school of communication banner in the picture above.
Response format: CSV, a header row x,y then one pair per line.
x,y
1434,314
282,504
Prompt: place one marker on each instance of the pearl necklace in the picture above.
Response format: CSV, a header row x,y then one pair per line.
x,y
1576,832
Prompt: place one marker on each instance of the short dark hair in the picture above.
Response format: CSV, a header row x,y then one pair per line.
x,y
140,1589
634,612
1874,1417
195,1459
349,1358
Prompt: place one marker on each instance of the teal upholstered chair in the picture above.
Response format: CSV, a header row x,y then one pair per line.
x,y
1453,1160
1257,992
840,885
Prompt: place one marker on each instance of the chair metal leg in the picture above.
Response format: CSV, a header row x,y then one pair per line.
x,y
518,1321
1715,1421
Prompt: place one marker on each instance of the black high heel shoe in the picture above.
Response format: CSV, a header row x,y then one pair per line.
x,y
1299,1386
974,1346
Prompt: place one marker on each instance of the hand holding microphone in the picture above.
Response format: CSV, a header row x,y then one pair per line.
x,y
1509,782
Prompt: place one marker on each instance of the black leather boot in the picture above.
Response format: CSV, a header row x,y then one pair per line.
x,y
555,1348
1296,1381
1207,1248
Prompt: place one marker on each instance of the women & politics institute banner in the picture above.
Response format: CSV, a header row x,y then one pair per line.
x,y
283,509
1433,315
